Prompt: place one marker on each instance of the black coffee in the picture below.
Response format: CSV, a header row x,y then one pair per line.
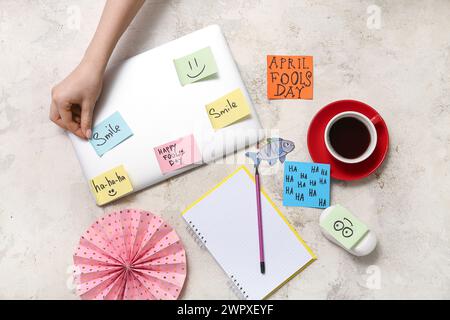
x,y
349,137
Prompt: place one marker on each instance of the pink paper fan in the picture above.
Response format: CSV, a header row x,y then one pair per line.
x,y
130,254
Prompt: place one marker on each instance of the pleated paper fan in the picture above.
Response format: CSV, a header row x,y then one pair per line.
x,y
130,254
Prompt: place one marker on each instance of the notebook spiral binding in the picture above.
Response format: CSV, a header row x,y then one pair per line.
x,y
232,283
198,237
237,288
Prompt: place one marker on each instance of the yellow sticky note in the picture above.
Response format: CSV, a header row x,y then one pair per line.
x,y
111,185
228,109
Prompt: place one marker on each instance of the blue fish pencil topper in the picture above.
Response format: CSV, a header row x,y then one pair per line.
x,y
275,149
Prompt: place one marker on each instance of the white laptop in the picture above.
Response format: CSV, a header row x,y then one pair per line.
x,y
146,91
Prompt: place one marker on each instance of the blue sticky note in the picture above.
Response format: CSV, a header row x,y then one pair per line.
x,y
306,184
109,133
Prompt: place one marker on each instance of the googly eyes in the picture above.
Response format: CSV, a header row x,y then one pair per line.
x,y
338,225
347,232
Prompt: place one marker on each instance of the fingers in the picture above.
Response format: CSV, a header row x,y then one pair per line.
x,y
55,117
76,113
65,112
71,117
87,109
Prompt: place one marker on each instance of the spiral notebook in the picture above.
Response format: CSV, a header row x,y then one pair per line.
x,y
224,220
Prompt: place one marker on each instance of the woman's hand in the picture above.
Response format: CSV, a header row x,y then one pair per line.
x,y
74,98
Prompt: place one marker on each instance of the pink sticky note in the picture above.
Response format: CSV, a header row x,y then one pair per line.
x,y
177,154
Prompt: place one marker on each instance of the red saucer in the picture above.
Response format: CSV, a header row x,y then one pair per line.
x,y
319,152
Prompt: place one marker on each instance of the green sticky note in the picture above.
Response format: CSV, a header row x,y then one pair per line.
x,y
196,66
344,227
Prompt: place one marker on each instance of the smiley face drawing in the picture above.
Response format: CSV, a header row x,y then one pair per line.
x,y
194,67
112,192
339,225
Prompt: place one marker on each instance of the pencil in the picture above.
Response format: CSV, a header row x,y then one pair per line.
x,y
260,228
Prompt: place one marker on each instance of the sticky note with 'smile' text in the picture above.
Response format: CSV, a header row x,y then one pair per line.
x,y
228,109
109,133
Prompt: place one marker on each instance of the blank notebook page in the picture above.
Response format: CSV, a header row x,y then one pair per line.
x,y
226,218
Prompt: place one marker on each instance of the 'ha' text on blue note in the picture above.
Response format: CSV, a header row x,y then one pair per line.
x,y
306,184
109,133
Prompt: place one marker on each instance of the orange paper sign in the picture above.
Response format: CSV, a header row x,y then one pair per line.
x,y
289,77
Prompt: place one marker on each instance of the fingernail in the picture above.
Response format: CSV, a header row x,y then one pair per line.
x,y
88,133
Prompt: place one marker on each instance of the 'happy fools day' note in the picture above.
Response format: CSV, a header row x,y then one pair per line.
x,y
228,109
111,185
306,184
109,133
289,77
195,66
344,227
177,154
